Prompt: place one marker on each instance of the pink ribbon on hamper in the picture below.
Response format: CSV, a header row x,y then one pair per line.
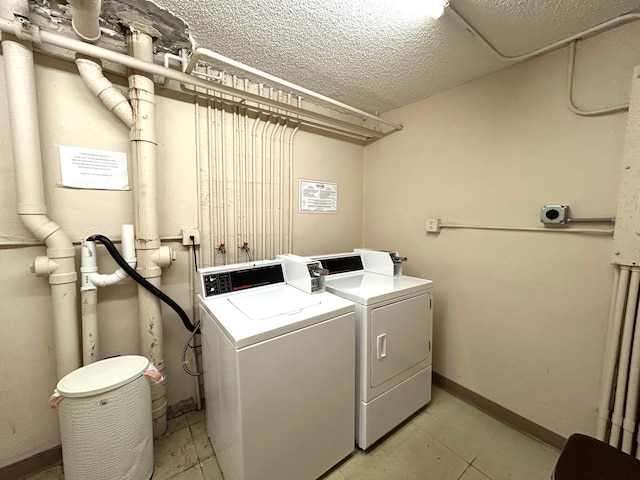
x,y
153,372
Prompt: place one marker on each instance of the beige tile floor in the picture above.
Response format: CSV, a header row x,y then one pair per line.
x,y
449,440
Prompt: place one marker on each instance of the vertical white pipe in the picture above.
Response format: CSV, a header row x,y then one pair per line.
x,y
237,190
611,354
143,146
254,183
263,184
245,163
272,189
281,190
85,19
625,354
89,301
31,208
223,161
291,185
213,191
629,424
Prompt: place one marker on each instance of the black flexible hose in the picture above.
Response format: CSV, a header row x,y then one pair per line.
x,y
113,251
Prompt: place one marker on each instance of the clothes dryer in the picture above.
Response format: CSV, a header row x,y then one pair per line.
x,y
393,341
278,373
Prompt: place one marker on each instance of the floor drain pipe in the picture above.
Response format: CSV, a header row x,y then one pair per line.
x,y
151,256
59,263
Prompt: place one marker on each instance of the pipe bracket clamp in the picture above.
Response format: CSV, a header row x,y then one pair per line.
x,y
25,30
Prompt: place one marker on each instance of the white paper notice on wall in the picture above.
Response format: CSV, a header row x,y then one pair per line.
x,y
318,197
93,169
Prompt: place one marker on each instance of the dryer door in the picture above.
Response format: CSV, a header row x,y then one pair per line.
x,y
399,337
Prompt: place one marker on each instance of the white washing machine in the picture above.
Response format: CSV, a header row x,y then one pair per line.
x,y
393,338
278,371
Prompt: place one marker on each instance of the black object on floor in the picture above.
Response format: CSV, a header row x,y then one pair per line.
x,y
585,458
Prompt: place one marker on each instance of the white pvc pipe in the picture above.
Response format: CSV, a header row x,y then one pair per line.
x,y
282,189
291,187
85,19
223,161
213,178
611,354
237,181
625,354
629,424
59,265
143,146
254,183
272,190
245,171
89,305
101,87
263,238
33,33
89,266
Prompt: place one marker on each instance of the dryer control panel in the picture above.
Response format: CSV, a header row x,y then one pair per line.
x,y
218,281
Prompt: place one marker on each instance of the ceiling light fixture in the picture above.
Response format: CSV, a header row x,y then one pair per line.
x,y
435,8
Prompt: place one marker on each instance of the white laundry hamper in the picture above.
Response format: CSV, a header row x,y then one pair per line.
x,y
106,422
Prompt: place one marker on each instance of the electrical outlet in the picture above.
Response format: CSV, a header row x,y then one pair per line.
x,y
187,233
432,225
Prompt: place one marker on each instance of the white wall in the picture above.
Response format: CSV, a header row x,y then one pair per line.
x,y
520,318
70,115
329,160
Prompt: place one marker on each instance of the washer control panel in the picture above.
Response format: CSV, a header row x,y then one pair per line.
x,y
216,281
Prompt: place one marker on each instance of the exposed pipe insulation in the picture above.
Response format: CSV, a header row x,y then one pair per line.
x,y
624,357
59,264
611,354
148,251
91,72
85,19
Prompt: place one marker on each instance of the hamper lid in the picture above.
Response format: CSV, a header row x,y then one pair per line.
x,y
102,376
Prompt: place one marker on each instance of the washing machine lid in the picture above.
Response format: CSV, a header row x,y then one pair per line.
x,y
368,288
102,376
273,303
251,317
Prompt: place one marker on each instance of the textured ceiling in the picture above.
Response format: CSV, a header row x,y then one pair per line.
x,y
375,55
379,54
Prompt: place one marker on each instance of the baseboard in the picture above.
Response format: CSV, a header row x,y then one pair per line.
x,y
499,412
32,465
